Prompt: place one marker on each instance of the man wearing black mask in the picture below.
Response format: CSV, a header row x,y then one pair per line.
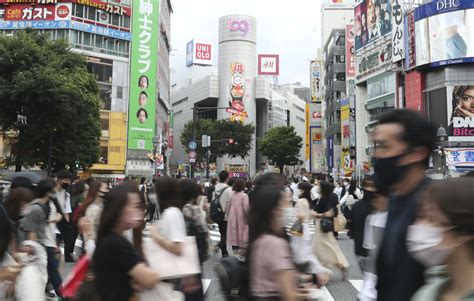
x,y
403,141
63,203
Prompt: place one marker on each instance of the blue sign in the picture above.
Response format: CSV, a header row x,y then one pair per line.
x,y
64,24
193,145
441,7
122,35
189,53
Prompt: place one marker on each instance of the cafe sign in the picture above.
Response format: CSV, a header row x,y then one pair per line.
x,y
373,60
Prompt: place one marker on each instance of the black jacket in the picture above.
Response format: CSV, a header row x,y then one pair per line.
x,y
360,211
399,275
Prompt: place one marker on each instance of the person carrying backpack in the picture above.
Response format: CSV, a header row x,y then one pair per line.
x,y
222,195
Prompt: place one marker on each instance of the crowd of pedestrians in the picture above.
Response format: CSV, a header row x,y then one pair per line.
x,y
413,237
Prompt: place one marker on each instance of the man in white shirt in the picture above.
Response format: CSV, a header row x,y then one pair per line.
x,y
224,192
315,190
68,233
296,191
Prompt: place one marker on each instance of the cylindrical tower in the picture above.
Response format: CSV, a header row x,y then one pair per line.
x,y
237,72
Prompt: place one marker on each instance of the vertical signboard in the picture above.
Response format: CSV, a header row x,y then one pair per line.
x,y
143,71
350,51
189,53
398,39
238,93
170,131
346,162
410,51
315,81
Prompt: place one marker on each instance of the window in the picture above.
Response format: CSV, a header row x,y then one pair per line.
x,y
92,13
119,92
115,19
87,39
78,10
102,72
298,108
105,97
104,150
126,21
180,101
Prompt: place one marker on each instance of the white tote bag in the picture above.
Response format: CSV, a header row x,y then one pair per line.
x,y
169,265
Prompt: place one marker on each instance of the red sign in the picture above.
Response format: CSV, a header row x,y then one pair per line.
x,y
350,51
203,52
22,12
108,7
62,11
31,1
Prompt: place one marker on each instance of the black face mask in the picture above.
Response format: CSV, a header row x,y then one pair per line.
x,y
388,172
369,195
65,185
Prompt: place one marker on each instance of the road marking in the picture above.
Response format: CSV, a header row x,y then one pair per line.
x,y
357,284
327,294
205,284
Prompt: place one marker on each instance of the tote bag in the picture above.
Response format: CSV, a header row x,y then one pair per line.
x,y
169,265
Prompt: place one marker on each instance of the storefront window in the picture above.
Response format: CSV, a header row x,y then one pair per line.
x,y
92,13
78,10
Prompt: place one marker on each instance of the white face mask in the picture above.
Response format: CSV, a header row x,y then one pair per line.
x,y
287,216
423,244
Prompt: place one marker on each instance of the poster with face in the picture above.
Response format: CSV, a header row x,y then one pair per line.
x,y
461,109
360,25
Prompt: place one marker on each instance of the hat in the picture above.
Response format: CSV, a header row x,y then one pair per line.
x,y
305,179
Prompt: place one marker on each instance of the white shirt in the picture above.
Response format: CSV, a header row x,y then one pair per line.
x,y
225,197
172,225
315,193
64,200
296,192
51,229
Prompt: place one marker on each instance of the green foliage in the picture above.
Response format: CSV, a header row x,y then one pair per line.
x,y
281,145
220,130
50,85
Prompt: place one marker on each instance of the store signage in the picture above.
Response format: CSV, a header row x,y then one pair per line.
x,y
198,54
113,33
22,12
315,81
269,64
350,51
240,26
410,50
143,74
30,1
398,39
373,60
56,24
108,7
460,158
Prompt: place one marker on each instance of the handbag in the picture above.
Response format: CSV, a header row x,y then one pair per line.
x,y
340,223
327,224
74,280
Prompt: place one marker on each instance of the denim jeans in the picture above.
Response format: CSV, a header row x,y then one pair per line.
x,y
53,272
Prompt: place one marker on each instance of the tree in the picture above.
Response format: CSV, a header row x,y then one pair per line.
x,y
281,145
49,85
220,131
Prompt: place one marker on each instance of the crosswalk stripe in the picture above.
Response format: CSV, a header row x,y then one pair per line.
x,y
357,284
327,294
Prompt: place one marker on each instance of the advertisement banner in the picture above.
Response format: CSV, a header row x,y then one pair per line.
x,y
143,71
460,100
315,81
107,7
346,162
460,158
35,24
171,131
372,20
189,53
238,93
373,60
37,12
269,64
198,54
350,51
109,32
410,51
316,149
447,29
398,39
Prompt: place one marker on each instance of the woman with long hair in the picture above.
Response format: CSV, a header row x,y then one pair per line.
x,y
119,268
271,269
94,205
443,241
325,246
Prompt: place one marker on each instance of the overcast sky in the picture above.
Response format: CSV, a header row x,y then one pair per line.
x,y
288,28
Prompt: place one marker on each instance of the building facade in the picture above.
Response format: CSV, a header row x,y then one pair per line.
x,y
101,32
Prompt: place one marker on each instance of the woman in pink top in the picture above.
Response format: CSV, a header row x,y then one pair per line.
x,y
237,224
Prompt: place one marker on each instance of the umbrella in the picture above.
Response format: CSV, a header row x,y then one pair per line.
x,y
34,177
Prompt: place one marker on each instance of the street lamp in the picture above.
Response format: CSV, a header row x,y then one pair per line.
x,y
156,142
442,138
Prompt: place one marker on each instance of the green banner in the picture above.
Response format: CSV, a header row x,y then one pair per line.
x,y
143,71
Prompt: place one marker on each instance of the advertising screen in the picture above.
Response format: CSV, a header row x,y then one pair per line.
x,y
461,112
143,70
372,20
444,32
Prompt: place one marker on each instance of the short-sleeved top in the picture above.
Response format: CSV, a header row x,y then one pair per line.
x,y
113,260
327,203
64,200
35,220
269,255
172,225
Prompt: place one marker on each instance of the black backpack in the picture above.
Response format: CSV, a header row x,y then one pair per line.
x,y
216,213
234,278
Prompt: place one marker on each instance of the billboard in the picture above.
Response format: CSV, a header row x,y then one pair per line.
x,y
461,112
346,163
198,53
460,159
29,12
315,81
350,51
335,4
143,74
238,92
444,32
398,32
316,159
269,64
410,50
372,20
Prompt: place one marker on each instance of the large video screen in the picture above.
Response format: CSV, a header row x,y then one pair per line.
x,y
444,34
372,20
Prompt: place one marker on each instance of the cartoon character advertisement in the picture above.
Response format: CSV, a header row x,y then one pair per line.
x,y
238,93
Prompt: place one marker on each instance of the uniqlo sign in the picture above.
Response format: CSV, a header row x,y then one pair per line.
x,y
21,12
203,52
